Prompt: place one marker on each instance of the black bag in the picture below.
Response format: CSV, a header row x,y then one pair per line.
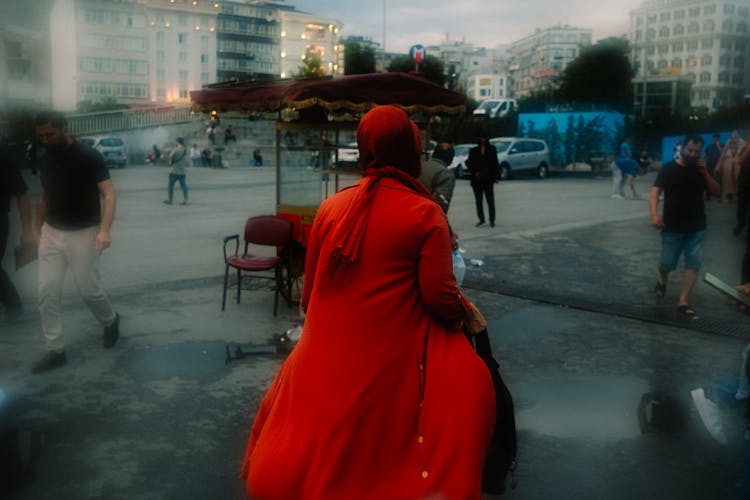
x,y
501,454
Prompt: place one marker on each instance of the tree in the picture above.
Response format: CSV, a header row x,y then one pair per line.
x,y
358,59
312,67
431,68
600,74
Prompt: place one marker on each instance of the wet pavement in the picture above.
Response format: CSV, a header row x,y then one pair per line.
x,y
566,285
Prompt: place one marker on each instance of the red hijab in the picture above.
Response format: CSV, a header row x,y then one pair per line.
x,y
389,146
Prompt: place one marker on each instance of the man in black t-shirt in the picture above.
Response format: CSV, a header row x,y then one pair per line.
x,y
74,216
683,223
12,185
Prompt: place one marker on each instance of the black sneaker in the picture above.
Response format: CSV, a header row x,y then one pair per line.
x,y
50,361
111,333
167,202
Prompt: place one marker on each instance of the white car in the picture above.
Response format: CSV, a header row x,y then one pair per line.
x,y
461,153
347,156
519,154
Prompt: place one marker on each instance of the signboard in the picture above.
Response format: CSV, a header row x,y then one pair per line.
x,y
418,53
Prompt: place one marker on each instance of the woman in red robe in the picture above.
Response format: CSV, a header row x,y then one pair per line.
x,y
383,397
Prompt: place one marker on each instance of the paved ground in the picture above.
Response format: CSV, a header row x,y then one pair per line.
x,y
566,285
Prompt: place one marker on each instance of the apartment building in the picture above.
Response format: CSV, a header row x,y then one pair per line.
x,y
481,86
248,41
538,59
25,60
705,41
303,34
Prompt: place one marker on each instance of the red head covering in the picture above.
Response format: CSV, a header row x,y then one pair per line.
x,y
389,146
386,138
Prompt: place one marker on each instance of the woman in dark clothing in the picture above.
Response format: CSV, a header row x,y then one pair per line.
x,y
485,171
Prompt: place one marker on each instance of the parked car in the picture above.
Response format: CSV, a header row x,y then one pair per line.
x,y
459,160
113,150
87,141
519,154
347,156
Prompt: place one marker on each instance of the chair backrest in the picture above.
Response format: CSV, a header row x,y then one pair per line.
x,y
268,230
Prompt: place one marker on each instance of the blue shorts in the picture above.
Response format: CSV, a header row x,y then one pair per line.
x,y
674,244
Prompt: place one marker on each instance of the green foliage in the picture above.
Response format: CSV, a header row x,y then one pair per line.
x,y
312,67
600,74
431,68
358,59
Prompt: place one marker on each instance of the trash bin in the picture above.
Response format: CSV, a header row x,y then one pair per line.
x,y
216,160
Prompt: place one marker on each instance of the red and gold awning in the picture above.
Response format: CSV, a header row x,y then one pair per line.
x,y
355,93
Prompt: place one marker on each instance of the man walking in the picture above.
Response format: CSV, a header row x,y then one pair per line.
x,y
485,171
12,185
437,178
683,222
74,216
178,162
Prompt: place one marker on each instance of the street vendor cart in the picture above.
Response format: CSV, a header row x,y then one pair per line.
x,y
315,144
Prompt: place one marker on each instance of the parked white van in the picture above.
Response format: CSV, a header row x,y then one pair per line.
x,y
495,108
519,154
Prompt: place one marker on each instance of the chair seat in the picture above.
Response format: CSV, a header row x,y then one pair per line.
x,y
253,262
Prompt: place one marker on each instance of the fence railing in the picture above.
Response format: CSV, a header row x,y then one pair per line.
x,y
114,121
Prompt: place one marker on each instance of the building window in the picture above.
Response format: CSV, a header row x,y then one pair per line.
x,y
204,43
182,38
727,26
694,12
650,34
651,19
679,14
707,44
160,75
737,79
693,27
677,47
204,77
742,28
704,94
639,21
182,20
650,50
728,8
160,39
742,11
724,77
677,63
692,44
183,75
664,16
204,58
690,76
664,32
663,48
739,62
709,9
678,30
706,60
709,25
183,94
160,93
705,77
724,60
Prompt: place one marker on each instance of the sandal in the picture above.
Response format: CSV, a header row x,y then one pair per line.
x,y
661,289
687,310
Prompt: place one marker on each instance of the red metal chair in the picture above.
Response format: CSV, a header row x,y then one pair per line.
x,y
268,230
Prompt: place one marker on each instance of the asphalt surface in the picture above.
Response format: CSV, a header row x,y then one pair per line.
x,y
565,280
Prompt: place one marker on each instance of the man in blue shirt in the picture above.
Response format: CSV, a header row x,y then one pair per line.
x,y
625,150
625,169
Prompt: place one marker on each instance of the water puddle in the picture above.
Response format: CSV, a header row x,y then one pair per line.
x,y
188,360
600,408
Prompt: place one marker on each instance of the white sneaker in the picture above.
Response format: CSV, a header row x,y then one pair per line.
x,y
616,197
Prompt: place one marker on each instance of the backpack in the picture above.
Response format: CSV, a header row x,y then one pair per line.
x,y
503,448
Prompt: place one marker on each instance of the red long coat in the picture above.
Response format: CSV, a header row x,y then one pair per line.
x,y
382,398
